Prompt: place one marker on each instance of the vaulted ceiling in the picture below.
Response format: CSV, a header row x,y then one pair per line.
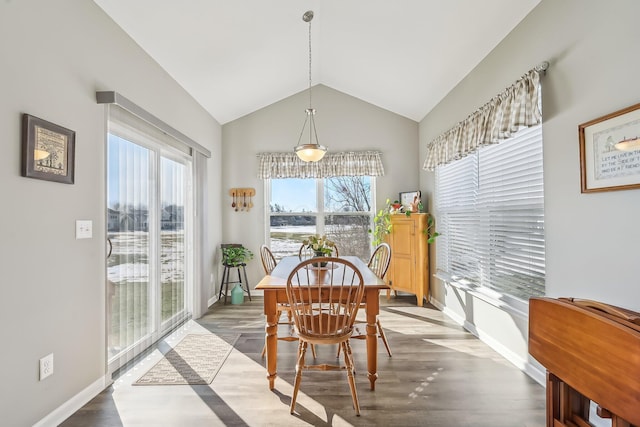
x,y
237,56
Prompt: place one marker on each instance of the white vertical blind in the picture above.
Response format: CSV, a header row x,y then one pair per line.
x,y
129,295
490,210
150,227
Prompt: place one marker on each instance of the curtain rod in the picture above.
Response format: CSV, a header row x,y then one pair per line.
x,y
542,66
112,97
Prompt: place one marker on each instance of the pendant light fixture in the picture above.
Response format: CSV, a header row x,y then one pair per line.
x,y
311,151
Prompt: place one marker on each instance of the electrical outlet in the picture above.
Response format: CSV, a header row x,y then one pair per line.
x,y
46,366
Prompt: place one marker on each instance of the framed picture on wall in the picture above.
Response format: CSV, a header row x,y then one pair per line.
x,y
410,200
48,150
610,151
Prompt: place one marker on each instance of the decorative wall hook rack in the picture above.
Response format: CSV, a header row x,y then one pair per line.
x,y
242,198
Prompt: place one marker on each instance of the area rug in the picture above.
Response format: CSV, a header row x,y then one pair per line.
x,y
194,360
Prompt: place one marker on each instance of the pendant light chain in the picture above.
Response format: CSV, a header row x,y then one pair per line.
x,y
310,104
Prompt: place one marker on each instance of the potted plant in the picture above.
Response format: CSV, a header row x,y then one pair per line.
x,y
381,224
320,245
235,255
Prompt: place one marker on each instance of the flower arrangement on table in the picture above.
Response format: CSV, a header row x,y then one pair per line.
x,y
320,245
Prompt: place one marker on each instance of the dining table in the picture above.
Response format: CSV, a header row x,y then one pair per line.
x,y
274,288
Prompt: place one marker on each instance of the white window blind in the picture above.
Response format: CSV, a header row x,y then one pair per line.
x,y
490,211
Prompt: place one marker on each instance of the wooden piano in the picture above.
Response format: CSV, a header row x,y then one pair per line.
x,y
591,351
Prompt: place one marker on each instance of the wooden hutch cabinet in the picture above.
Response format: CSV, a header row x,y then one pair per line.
x,y
409,268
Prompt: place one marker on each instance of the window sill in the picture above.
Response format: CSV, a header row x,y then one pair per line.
x,y
505,303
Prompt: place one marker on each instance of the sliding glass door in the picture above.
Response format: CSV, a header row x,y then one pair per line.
x,y
149,267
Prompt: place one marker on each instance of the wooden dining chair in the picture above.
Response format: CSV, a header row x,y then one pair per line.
x,y
268,260
324,302
269,263
379,264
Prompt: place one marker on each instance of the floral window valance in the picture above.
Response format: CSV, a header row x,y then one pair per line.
x,y
288,165
516,107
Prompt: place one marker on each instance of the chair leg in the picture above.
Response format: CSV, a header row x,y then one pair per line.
x,y
384,338
350,355
348,361
224,283
302,349
246,281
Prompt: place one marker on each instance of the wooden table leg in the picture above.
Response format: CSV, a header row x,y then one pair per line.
x,y
372,309
271,337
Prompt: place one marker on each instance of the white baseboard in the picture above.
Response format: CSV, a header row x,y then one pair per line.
x,y
536,374
212,300
531,370
68,408
254,293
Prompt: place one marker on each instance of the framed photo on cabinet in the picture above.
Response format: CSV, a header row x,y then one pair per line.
x,y
410,200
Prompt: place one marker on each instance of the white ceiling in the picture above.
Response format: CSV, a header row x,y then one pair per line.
x,y
237,56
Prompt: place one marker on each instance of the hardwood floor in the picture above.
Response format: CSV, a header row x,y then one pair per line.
x,y
439,375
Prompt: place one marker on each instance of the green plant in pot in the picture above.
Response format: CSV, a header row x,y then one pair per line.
x,y
236,255
320,245
381,224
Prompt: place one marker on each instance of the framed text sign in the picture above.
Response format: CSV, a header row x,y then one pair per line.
x,y
610,151
47,150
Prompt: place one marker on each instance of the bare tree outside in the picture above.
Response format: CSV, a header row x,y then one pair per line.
x,y
347,194
346,215
348,198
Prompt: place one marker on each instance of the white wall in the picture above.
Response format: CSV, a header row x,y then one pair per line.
x,y
53,58
591,239
344,123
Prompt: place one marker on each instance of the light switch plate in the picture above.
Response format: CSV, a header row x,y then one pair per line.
x,y
84,229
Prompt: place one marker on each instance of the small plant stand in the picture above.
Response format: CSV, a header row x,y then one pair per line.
x,y
226,279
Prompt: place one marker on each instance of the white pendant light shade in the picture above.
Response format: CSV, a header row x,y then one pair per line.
x,y
311,151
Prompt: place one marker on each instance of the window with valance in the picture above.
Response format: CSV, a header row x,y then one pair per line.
x,y
489,198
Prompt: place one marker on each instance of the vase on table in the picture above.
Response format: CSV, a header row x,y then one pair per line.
x,y
320,254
